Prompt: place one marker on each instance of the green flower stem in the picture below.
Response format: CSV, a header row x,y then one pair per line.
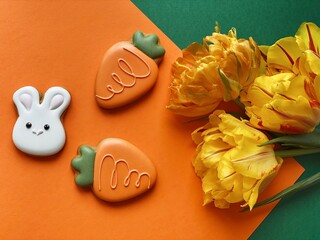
x,y
240,104
300,140
205,118
299,186
296,152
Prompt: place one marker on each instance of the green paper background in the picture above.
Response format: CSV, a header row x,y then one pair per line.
x,y
186,21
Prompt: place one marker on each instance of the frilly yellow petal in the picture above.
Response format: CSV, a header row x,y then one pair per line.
x,y
283,54
310,64
286,102
308,37
229,161
221,203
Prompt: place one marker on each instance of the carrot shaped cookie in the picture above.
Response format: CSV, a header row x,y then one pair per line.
x,y
115,169
128,70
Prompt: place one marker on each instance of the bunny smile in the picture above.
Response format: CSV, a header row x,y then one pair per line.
x,y
37,132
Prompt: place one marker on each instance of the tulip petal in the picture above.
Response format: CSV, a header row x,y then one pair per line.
x,y
256,166
308,37
264,51
283,54
313,63
284,103
265,87
231,88
317,86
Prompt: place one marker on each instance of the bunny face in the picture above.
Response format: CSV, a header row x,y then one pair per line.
x,y
38,129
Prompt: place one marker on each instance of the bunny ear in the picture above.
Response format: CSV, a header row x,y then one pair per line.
x,y
26,98
56,99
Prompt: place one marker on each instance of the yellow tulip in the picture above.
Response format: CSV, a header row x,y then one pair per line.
x,y
195,89
211,72
231,165
285,103
287,98
285,54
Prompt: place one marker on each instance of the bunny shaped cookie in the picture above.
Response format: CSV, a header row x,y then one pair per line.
x,y
38,129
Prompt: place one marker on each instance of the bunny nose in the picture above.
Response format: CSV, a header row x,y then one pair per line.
x,y
37,132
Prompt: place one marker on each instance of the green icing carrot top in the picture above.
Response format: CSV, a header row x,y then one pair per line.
x,y
148,44
84,165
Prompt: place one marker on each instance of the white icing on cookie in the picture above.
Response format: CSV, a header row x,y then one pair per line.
x,y
38,129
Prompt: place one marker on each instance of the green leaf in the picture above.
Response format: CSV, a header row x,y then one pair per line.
x,y
83,164
148,44
297,187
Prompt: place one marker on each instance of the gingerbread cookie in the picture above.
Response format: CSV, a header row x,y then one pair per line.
x,y
115,169
128,70
38,129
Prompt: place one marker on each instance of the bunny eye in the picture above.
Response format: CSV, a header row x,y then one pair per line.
x,y
46,127
28,125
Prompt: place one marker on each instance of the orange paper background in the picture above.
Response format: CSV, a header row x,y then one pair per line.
x,y
61,43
